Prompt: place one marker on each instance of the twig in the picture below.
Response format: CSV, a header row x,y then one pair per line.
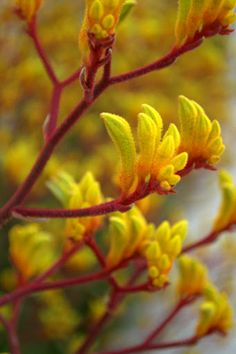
x,y
160,346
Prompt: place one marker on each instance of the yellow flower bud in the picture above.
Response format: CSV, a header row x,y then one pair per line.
x,y
197,16
216,313
147,138
118,241
74,195
31,249
101,18
200,137
120,133
227,211
28,8
193,276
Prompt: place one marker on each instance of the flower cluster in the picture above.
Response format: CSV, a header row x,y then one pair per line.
x,y
205,16
162,158
31,250
101,18
131,235
193,277
74,195
216,313
227,212
28,9
200,137
58,318
161,247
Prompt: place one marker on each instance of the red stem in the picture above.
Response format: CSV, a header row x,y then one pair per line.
x,y
51,124
141,348
115,298
32,31
101,209
210,238
75,76
64,283
164,62
12,336
157,331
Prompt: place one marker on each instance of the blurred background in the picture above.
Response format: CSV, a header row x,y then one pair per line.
x,y
59,320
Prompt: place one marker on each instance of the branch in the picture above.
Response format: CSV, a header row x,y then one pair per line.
x,y
119,204
51,121
160,328
32,31
75,76
115,299
162,63
101,209
12,336
208,239
143,348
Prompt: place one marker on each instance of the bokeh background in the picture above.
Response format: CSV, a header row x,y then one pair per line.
x,y
59,320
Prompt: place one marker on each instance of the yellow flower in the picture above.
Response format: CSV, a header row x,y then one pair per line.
x,y
130,235
157,161
227,212
28,9
31,249
216,313
193,277
58,318
204,17
160,247
126,232
101,18
74,195
200,137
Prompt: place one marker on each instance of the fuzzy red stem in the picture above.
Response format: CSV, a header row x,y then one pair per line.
x,y
72,78
160,328
12,336
32,31
164,62
115,298
143,347
50,126
208,239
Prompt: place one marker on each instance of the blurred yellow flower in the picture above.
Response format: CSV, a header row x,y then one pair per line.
x,y
193,277
31,249
216,313
227,212
205,16
28,9
74,195
131,235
